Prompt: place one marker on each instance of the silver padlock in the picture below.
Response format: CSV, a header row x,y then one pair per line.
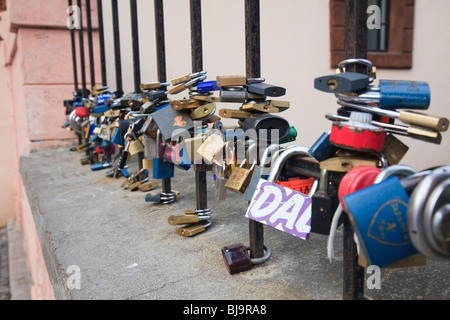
x,y
429,215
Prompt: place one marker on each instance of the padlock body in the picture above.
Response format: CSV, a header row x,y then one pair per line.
x,y
396,94
323,208
162,169
236,258
355,138
323,149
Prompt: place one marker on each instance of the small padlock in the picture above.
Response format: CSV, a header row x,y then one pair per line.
x,y
265,89
161,168
323,149
342,82
266,125
187,219
239,179
193,229
237,259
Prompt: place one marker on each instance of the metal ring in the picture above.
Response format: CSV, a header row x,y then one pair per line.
x,y
262,259
398,170
432,206
417,204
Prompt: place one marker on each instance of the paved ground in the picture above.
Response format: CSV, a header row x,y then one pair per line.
x,y
123,247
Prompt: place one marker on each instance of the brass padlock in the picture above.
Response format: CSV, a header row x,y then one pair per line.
x,y
240,179
192,230
203,111
187,219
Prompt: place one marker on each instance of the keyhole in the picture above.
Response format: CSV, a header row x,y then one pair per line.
x,y
332,84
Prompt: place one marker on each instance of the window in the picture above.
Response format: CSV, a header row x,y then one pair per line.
x,y
390,45
2,5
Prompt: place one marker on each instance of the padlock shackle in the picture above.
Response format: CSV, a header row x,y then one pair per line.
x,y
280,162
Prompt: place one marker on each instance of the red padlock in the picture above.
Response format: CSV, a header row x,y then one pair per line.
x,y
358,133
81,112
356,179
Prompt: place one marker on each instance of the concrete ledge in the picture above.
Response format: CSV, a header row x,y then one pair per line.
x,y
125,249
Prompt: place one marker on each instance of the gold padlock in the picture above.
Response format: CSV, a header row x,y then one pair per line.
x,y
203,111
239,179
135,147
192,230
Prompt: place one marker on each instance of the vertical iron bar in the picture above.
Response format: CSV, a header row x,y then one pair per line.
x,y
356,34
161,62
82,61
160,41
197,65
101,36
253,70
74,54
117,55
136,64
90,42
135,41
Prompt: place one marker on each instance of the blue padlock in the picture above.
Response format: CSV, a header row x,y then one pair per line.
x,y
323,149
394,94
380,221
100,109
207,86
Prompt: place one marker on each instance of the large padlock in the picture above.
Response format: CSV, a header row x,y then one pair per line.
x,y
380,222
279,207
168,120
267,126
239,95
266,89
358,134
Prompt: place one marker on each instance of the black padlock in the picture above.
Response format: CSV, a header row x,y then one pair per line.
x,y
266,89
342,82
324,204
267,122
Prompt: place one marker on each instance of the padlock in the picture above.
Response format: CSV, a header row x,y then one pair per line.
x,y
239,95
153,85
254,106
239,179
323,149
286,210
266,89
212,147
161,168
424,134
394,94
342,82
380,222
265,125
324,204
168,120
203,111
237,259
184,104
358,133
186,85
429,215
234,114
193,229
187,77
207,86
187,219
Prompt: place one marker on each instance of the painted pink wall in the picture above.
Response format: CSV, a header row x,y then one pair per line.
x,y
37,77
